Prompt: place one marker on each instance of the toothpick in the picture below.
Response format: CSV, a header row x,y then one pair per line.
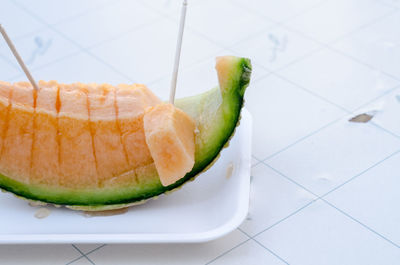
x,y
19,59
178,53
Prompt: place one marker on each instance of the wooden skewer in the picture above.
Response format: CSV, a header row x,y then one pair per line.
x,y
18,57
178,53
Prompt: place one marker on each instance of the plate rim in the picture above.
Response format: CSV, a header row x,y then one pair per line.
x,y
198,237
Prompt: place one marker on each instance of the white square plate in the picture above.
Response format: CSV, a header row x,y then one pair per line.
x,y
205,209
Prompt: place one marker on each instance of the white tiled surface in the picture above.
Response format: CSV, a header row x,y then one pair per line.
x,y
320,234
336,18
324,191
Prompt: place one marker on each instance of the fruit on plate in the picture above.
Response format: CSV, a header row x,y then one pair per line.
x,y
101,147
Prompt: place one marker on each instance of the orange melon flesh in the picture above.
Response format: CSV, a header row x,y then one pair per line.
x,y
77,160
45,149
170,137
5,90
92,136
111,157
17,143
132,100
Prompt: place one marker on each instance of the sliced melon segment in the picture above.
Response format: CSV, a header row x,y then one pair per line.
x,y
132,100
15,156
111,158
216,114
77,159
170,137
45,147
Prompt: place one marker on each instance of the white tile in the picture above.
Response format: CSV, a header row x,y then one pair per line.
x,y
394,3
336,18
167,254
7,70
387,109
376,45
85,248
80,68
278,10
320,234
283,113
275,48
40,48
108,22
334,155
148,53
373,198
16,21
339,79
55,11
227,27
272,198
248,253
37,254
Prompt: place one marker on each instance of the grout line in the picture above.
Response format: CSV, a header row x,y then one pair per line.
x,y
270,251
359,108
275,24
384,129
366,25
291,180
304,137
285,218
93,250
280,22
84,12
241,230
351,57
359,174
193,30
311,92
345,35
329,46
324,195
72,261
120,35
258,161
226,252
69,39
90,53
83,254
185,68
46,26
362,224
21,74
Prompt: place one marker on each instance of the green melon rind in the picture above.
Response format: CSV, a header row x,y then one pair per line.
x,y
217,113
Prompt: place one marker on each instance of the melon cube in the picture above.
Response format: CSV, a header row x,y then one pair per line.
x,y
170,135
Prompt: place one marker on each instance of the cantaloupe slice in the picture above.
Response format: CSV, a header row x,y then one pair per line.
x,y
95,147
170,137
